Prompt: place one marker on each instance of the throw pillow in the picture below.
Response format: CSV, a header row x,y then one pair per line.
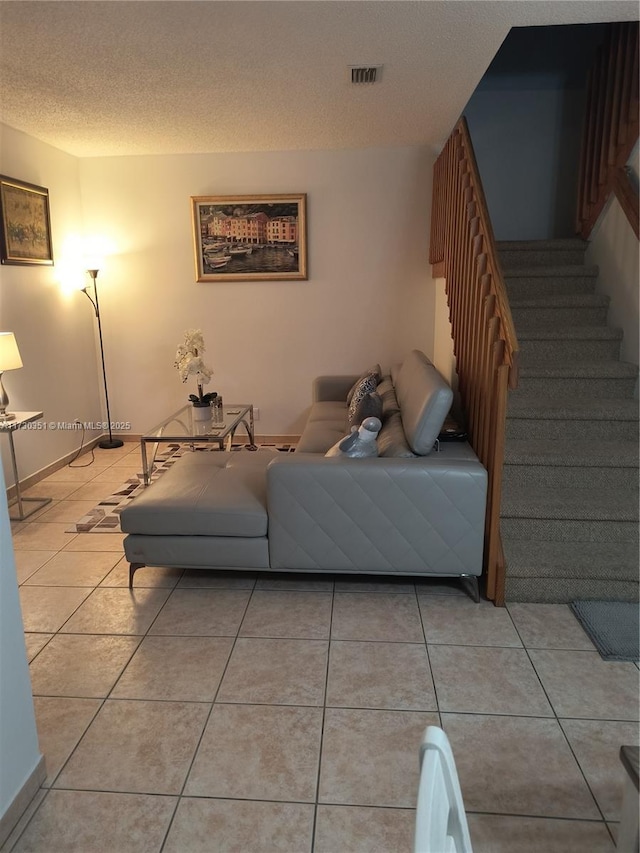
x,y
370,406
365,385
375,369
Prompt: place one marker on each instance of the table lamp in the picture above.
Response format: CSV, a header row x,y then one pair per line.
x,y
9,360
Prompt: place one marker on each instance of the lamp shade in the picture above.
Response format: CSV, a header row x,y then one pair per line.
x,y
9,353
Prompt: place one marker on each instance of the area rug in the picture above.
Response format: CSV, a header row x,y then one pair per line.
x,y
613,627
105,516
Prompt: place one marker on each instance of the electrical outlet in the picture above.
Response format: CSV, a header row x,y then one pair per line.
x,y
256,414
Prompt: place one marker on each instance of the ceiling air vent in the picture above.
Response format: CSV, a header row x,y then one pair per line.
x,y
365,73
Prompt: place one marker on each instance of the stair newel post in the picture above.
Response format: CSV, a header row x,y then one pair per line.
x,y
495,576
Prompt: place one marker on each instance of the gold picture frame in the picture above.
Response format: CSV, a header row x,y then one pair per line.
x,y
25,235
250,237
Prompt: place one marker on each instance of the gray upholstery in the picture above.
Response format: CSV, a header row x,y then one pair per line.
x,y
422,413
302,511
417,515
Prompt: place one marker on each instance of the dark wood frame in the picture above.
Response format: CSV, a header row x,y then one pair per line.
x,y
37,198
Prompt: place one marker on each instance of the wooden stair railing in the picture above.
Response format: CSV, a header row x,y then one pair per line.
x,y
463,251
611,125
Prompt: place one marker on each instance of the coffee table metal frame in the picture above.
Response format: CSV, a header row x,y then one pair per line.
x,y
187,430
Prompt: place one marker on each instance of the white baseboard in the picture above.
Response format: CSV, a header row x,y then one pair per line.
x,y
22,799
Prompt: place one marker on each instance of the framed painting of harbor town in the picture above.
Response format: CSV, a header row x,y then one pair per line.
x,y
25,236
250,238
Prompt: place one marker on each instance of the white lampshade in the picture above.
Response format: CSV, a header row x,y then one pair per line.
x,y
9,353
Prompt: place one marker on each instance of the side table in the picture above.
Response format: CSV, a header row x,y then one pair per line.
x,y
9,427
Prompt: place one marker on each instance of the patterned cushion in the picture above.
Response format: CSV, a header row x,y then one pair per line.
x,y
370,406
391,438
375,369
365,385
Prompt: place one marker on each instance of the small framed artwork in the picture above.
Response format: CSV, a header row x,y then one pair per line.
x,y
26,224
250,237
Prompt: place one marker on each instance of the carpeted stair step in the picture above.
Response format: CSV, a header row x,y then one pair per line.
x,y
527,253
616,560
571,418
576,463
570,504
560,310
601,378
581,343
563,571
561,590
567,530
532,282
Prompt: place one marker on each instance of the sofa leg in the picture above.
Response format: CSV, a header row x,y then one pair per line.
x,y
470,585
133,568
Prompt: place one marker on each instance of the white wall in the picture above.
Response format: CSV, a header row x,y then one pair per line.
x,y
55,330
369,297
19,750
614,248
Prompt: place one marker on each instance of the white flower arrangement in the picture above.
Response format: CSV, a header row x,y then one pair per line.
x,y
189,362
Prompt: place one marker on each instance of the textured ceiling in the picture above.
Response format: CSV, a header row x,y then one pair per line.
x,y
118,77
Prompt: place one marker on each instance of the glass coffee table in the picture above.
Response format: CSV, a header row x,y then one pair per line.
x,y
183,427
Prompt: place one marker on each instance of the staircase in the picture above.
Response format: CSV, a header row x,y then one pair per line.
x,y
569,512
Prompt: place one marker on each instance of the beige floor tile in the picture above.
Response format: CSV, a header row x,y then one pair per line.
x,y
507,834
581,684
380,675
258,752
118,474
117,611
76,474
34,643
74,568
46,608
137,746
81,665
440,586
47,489
518,766
205,579
28,562
111,455
97,542
228,826
85,822
40,536
150,576
276,672
356,829
549,626
388,585
487,681
177,668
596,744
462,622
36,515
95,491
376,616
293,614
370,758
311,582
67,511
202,612
61,722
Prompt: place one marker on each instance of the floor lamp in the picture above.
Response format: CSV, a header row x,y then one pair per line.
x,y
111,442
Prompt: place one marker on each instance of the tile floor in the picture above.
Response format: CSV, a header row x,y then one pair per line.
x,y
232,712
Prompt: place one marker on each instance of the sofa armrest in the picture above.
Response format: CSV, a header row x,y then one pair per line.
x,y
327,388
402,516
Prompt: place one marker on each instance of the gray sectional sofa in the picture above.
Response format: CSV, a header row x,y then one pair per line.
x,y
413,510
